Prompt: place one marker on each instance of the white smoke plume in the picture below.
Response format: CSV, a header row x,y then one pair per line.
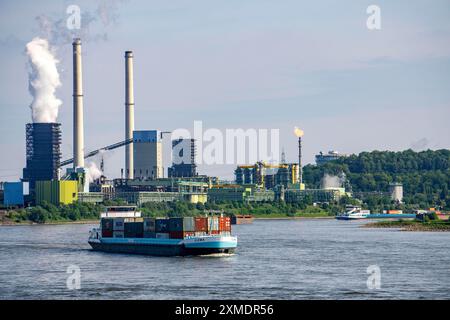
x,y
331,181
43,79
94,172
96,19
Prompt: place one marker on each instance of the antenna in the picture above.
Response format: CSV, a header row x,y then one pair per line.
x,y
283,156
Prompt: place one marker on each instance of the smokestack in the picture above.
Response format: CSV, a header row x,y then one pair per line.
x,y
129,114
78,125
300,171
299,134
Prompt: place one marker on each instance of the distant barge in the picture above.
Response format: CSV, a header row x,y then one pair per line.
x,y
241,219
123,230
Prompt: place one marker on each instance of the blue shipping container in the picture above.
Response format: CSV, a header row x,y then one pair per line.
x,y
13,194
162,225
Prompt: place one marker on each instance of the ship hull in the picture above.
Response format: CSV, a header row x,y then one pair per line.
x,y
378,216
134,246
350,217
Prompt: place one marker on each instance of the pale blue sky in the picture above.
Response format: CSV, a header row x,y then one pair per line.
x,y
242,64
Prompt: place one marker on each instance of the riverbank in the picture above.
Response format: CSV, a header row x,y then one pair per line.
x,y
436,226
289,216
274,216
6,223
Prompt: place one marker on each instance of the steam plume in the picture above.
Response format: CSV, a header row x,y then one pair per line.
x,y
43,79
94,23
93,171
330,181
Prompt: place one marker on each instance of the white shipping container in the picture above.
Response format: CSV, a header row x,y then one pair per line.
x,y
189,224
118,224
213,223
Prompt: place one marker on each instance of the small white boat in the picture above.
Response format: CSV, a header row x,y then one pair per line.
x,y
353,213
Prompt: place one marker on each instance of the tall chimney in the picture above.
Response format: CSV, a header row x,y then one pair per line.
x,y
300,171
129,114
78,126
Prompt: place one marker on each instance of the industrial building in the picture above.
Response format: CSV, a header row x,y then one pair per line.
x,y
147,150
268,175
56,192
14,193
43,152
183,158
91,197
396,191
142,178
193,189
332,155
239,193
315,195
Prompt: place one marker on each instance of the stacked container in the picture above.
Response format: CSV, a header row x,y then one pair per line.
x,y
118,227
107,228
213,225
201,224
225,224
179,228
133,229
162,228
149,228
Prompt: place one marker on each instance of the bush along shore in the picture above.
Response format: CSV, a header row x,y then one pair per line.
x,y
413,225
87,212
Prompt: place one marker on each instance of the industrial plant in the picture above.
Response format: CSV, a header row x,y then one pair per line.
x,y
48,178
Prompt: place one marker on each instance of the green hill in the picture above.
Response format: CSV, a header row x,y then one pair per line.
x,y
425,175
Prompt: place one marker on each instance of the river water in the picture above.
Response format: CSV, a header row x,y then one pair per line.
x,y
276,259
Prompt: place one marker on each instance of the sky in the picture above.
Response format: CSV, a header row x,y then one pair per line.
x,y
238,64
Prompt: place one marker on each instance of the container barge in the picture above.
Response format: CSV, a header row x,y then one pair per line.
x,y
242,219
123,230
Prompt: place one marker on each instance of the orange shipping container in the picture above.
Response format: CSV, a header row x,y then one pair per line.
x,y
201,224
224,224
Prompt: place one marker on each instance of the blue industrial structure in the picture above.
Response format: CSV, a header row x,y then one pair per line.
x,y
146,136
14,193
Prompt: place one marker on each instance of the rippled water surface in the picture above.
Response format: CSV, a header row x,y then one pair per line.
x,y
279,259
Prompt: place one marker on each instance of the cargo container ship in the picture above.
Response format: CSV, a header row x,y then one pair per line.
x,y
123,230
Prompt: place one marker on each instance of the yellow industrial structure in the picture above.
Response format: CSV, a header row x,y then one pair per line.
x,y
56,192
268,175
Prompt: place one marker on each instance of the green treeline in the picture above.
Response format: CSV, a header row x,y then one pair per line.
x,y
425,175
265,209
87,211
48,212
